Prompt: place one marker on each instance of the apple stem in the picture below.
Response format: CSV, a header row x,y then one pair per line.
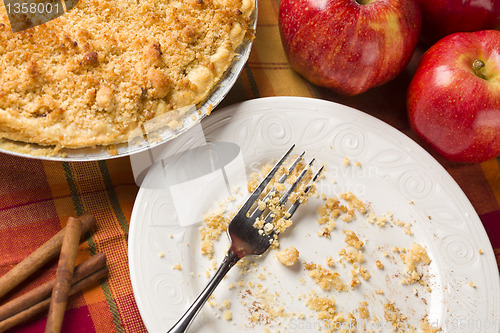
x,y
477,67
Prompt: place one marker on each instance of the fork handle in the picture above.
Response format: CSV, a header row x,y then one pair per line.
x,y
182,325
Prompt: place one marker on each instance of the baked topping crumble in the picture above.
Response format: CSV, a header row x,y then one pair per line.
x,y
94,74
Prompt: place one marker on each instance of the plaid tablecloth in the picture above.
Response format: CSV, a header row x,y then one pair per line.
x,y
37,197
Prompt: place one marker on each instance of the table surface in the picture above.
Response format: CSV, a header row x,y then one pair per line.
x,y
37,197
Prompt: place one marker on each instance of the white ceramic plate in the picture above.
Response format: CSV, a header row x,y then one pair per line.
x,y
165,134
395,175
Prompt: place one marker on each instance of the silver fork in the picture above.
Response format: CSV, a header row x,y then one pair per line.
x,y
245,238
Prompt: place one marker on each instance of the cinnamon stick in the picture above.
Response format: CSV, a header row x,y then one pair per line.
x,y
42,292
39,257
64,274
38,308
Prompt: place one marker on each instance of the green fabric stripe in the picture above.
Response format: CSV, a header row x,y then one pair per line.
x,y
78,204
498,160
112,306
72,188
92,245
251,80
114,199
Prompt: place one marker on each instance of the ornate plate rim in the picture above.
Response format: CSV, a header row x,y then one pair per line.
x,y
225,118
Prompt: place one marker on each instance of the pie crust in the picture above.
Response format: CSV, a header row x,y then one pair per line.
x,y
93,75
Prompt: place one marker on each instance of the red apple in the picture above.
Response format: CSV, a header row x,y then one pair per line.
x,y
349,46
443,17
454,96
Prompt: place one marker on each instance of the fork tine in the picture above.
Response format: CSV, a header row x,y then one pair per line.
x,y
309,186
291,168
293,208
257,192
282,179
290,190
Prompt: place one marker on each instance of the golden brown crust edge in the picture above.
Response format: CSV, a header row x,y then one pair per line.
x,y
90,78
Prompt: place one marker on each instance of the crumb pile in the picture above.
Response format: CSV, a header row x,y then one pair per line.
x,y
288,257
325,281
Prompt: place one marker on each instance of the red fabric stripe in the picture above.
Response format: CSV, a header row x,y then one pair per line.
x,y
23,180
129,314
24,239
491,222
75,321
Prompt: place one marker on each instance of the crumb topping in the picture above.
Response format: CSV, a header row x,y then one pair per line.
x,y
325,278
289,256
416,254
94,74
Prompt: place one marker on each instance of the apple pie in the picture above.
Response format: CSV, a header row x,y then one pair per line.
x,y
93,75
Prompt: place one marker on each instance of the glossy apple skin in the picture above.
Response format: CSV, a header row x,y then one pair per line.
x,y
449,106
443,17
346,46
